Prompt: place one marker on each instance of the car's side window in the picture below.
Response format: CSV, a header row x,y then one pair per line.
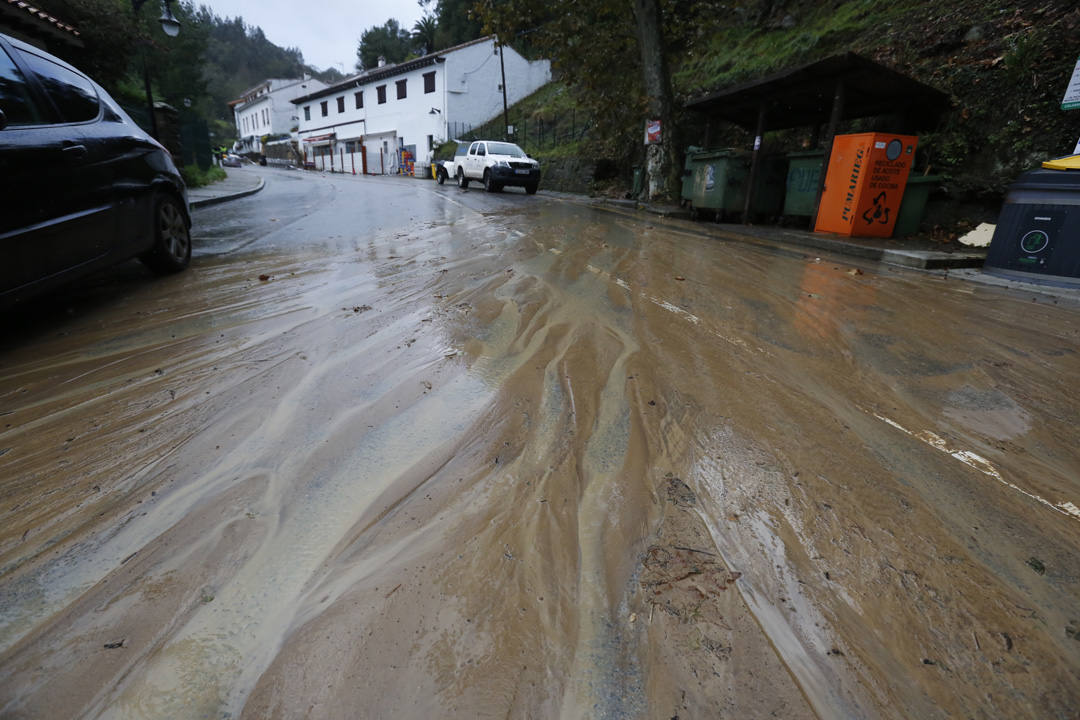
x,y
472,148
15,99
480,150
73,95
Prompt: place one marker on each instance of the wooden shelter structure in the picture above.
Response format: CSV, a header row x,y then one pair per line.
x,y
840,87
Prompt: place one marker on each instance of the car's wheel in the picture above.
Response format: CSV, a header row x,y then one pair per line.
x,y
462,181
171,251
440,176
489,182
531,188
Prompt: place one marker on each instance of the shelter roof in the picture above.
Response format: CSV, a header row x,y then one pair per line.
x,y
803,95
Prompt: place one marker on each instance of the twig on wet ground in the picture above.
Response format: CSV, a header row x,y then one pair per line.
x,y
695,550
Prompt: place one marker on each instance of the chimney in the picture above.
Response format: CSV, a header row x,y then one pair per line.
x,y
382,61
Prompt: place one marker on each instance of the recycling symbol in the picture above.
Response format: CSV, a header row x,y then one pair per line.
x,y
878,212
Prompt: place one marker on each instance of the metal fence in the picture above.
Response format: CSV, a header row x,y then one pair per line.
x,y
536,134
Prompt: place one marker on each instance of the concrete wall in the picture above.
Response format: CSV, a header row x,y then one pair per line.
x,y
474,79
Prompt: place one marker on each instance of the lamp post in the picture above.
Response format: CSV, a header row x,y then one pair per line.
x,y
171,27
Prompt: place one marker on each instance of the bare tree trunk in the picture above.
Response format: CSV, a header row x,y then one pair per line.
x,y
661,161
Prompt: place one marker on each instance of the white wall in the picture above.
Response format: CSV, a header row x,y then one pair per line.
x,y
272,112
474,77
408,120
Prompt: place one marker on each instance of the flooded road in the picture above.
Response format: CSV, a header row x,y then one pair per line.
x,y
395,450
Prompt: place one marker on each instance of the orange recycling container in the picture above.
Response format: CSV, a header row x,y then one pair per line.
x,y
865,183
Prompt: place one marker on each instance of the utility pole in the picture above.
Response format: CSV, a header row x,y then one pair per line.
x,y
506,114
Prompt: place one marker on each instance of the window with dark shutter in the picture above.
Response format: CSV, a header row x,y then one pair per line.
x,y
307,112
359,99
401,89
429,82
323,108
341,104
380,91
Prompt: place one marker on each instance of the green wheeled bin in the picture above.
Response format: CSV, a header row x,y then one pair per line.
x,y
803,179
913,204
717,182
686,189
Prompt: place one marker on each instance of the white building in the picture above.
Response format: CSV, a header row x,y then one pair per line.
x,y
266,109
375,121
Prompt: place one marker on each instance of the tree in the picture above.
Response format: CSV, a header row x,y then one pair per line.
x,y
389,41
423,34
662,164
456,20
619,75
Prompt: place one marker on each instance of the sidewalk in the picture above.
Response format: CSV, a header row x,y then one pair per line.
x,y
240,182
887,250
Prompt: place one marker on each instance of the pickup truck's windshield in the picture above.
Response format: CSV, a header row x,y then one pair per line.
x,y
501,148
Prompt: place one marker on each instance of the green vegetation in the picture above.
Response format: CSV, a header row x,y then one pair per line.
x,y
194,176
1005,64
212,61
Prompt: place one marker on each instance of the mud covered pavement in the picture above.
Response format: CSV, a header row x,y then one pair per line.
x,y
392,451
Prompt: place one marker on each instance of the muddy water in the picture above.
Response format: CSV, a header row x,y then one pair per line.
x,y
547,463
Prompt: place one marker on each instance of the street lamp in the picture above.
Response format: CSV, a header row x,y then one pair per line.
x,y
171,27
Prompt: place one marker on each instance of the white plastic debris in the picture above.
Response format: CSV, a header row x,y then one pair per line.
x,y
980,236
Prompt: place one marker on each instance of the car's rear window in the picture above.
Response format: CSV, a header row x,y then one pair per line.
x,y
73,95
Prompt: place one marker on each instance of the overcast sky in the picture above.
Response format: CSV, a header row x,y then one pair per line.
x,y
326,31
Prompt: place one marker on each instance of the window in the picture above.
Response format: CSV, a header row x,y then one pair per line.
x,y
380,92
430,142
358,98
341,104
429,82
401,89
307,112
472,148
72,94
322,106
15,98
266,117
481,150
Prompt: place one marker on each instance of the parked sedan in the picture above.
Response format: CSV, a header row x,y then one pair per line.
x,y
82,186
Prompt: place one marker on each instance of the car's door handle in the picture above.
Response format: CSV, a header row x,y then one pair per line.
x,y
74,152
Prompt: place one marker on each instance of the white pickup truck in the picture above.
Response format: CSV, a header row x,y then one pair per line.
x,y
496,164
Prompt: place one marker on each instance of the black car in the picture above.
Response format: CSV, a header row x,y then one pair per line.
x,y
81,185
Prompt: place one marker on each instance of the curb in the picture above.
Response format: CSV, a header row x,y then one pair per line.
x,y
226,198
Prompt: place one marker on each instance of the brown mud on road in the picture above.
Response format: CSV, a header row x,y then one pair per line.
x,y
553,463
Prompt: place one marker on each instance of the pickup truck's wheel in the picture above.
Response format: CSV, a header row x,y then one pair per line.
x,y
489,182
531,188
440,175
462,181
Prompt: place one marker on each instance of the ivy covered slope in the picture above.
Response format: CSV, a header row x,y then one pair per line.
x,y
1006,65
